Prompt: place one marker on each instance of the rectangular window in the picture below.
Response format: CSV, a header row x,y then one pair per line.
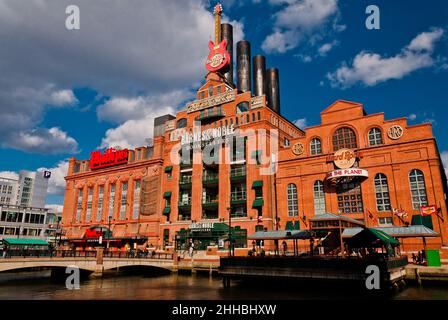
x,y
89,204
124,194
99,213
111,201
349,197
388,221
136,207
79,206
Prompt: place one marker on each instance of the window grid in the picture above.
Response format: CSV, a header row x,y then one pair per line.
x,y
375,137
316,146
89,204
111,201
124,194
382,193
136,207
79,206
418,189
293,208
349,197
100,203
344,138
319,198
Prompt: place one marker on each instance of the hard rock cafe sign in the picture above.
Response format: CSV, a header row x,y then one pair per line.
x,y
344,158
395,132
298,148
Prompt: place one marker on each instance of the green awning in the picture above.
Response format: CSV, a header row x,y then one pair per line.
x,y
25,242
167,194
168,168
257,184
166,210
258,203
369,237
426,221
292,225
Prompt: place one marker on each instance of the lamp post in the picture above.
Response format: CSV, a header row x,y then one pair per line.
x,y
230,231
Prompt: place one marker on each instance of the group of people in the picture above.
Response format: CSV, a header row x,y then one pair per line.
x,y
419,258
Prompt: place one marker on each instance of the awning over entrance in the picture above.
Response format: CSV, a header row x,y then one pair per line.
x,y
322,219
281,234
369,237
397,232
25,242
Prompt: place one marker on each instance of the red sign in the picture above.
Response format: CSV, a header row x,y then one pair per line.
x,y
428,210
111,157
218,57
92,233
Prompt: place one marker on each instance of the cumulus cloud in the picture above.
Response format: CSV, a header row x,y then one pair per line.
x,y
55,207
444,156
42,140
298,20
301,123
412,116
371,68
152,48
56,184
9,175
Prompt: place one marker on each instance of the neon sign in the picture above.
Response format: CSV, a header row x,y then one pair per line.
x,y
111,157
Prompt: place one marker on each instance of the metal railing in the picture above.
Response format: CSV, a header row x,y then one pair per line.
x,y
138,255
238,172
210,199
238,195
209,177
185,179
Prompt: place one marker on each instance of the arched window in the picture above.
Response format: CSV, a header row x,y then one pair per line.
x,y
293,208
319,197
344,138
418,189
315,146
382,193
182,123
375,137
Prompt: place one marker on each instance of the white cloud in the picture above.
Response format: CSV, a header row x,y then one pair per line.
x,y
56,184
9,175
151,48
412,116
120,109
130,134
301,123
63,98
326,47
444,156
57,208
47,141
371,68
300,19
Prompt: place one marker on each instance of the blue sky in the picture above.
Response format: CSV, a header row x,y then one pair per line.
x,y
66,93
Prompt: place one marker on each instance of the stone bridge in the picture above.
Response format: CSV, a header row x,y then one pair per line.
x,y
91,264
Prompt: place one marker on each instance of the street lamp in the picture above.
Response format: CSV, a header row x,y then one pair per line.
x,y
230,231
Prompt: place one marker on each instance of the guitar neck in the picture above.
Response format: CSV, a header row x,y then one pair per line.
x,y
217,28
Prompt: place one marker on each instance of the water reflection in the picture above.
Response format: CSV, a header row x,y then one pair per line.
x,y
179,287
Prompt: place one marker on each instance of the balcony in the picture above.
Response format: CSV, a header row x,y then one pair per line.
x,y
210,178
185,203
210,201
210,115
184,217
238,173
185,181
238,197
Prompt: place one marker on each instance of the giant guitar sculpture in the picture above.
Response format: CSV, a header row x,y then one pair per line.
x,y
218,57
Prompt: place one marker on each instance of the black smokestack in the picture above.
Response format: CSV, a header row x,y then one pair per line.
x,y
273,89
227,33
259,69
243,65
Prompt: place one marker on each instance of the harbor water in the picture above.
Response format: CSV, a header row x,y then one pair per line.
x,y
38,286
